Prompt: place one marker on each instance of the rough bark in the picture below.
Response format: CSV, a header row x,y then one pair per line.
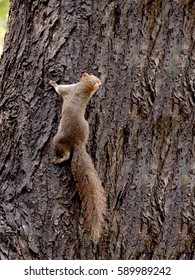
x,y
142,129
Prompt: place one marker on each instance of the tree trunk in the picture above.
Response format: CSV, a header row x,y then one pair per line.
x,y
142,129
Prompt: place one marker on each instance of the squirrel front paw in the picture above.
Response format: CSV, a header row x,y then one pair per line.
x,y
51,82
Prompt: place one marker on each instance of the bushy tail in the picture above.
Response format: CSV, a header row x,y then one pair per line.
x,y
91,192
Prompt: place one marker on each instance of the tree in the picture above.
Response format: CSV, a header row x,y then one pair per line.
x,y
142,129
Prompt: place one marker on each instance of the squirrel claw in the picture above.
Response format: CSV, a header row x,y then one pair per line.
x,y
53,84
55,160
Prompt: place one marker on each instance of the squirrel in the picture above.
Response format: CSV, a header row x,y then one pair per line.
x,y
71,139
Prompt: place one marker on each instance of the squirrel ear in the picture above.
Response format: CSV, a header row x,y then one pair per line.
x,y
85,76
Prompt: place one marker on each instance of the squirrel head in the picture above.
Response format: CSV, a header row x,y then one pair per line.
x,y
92,80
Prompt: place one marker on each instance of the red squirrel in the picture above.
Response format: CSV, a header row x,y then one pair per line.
x,y
71,139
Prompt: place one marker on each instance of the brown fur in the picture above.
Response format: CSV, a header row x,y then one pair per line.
x,y
71,138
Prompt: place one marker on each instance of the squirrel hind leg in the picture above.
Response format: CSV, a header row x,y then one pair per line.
x,y
65,157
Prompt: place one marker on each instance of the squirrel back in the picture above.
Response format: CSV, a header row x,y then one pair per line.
x,y
71,138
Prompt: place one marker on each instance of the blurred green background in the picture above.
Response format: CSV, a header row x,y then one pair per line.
x,y
4,10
